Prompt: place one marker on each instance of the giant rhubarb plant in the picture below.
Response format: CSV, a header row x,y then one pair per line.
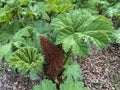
x,y
53,58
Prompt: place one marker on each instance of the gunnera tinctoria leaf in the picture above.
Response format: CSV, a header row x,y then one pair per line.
x,y
25,59
78,29
53,58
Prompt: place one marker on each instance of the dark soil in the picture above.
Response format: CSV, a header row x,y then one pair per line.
x,y
101,71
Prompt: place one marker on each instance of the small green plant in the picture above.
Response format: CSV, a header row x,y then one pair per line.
x,y
69,84
117,34
43,85
72,69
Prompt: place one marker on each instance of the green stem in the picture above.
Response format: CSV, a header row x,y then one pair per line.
x,y
67,57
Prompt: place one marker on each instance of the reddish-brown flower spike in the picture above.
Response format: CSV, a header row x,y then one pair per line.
x,y
53,58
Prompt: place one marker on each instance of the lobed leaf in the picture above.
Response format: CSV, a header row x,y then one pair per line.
x,y
73,70
78,28
46,85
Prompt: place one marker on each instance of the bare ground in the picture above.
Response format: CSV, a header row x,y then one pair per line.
x,y
101,70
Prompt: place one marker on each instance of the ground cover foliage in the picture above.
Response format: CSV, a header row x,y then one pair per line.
x,y
39,38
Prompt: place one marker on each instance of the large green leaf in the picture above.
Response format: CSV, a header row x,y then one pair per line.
x,y
69,84
25,59
73,69
78,28
46,85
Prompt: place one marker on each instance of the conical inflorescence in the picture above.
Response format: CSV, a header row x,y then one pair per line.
x,y
53,58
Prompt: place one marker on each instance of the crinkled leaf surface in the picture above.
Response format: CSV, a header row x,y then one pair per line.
x,y
25,58
78,28
46,85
